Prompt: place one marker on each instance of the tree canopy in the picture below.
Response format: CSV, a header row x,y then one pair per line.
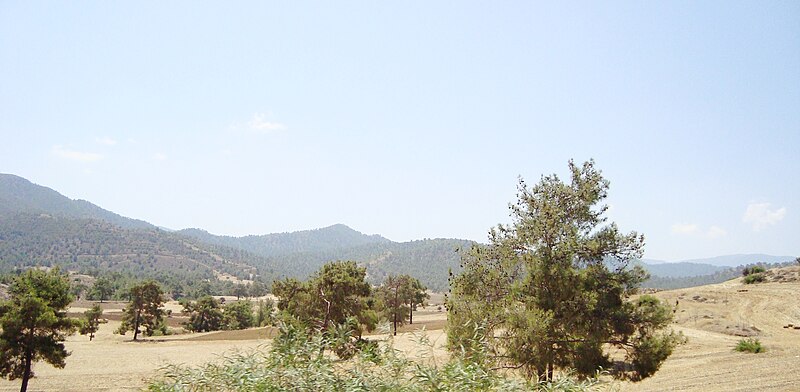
x,y
338,291
34,323
399,295
144,310
551,290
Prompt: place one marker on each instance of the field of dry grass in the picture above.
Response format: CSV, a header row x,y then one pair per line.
x,y
713,318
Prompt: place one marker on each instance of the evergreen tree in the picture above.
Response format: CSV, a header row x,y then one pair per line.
x,y
102,289
400,296
205,314
551,290
34,323
335,293
417,295
91,323
238,315
393,294
144,310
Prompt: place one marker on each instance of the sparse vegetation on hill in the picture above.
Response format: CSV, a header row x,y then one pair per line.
x,y
668,283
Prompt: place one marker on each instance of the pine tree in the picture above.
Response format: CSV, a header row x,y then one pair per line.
x,y
34,324
144,310
552,289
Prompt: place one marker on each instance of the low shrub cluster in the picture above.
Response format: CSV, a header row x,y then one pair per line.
x,y
754,274
750,345
754,278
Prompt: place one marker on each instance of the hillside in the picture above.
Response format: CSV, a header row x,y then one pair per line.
x,y
94,246
714,318
727,260
300,254
18,195
327,239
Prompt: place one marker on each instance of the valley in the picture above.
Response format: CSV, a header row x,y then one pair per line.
x,y
713,318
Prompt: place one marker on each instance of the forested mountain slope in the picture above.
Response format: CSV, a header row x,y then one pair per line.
x,y
300,254
327,239
97,247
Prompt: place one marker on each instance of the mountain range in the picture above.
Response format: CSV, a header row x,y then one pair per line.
x,y
40,226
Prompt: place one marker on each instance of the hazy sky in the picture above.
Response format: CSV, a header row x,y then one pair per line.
x,y
411,120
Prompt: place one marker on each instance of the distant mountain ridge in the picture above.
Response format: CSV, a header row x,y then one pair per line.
x,y
299,254
18,195
325,239
27,232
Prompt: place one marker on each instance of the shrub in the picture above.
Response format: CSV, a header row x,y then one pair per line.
x,y
757,269
754,278
652,351
750,345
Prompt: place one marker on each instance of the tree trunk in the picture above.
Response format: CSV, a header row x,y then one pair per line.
x,y
411,312
26,375
136,326
395,323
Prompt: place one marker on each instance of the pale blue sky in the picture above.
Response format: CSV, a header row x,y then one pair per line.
x,y
411,120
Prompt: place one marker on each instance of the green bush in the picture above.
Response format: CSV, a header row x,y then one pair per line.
x,y
750,345
753,270
754,278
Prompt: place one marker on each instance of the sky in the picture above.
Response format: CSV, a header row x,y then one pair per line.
x,y
411,120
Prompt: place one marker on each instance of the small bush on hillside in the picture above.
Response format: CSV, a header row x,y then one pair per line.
x,y
752,270
754,278
749,345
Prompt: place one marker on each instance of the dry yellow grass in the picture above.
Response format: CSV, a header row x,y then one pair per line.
x,y
715,318
712,317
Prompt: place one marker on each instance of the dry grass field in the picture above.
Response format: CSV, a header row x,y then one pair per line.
x,y
713,318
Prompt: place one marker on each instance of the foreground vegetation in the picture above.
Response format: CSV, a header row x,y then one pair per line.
x,y
297,361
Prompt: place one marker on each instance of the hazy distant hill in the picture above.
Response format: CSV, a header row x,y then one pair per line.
x,y
18,195
300,254
681,269
742,259
336,237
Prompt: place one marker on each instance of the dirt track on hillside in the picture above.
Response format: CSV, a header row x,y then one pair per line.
x,y
715,318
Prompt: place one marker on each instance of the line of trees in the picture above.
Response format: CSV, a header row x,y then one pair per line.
x,y
207,314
